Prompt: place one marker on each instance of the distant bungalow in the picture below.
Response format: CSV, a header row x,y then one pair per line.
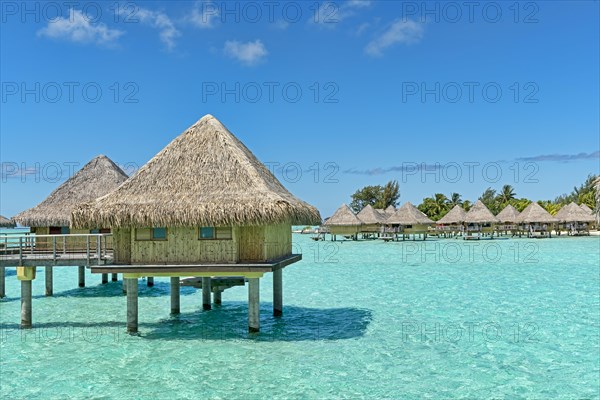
x,y
204,206
536,221
6,223
479,220
53,215
574,220
408,220
343,222
371,219
452,222
507,219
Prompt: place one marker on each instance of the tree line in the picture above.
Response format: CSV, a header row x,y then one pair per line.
x,y
438,205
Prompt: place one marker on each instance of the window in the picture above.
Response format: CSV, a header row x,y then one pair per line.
x,y
207,232
59,230
101,230
151,234
211,232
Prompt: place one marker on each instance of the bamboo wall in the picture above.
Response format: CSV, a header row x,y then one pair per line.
x,y
182,246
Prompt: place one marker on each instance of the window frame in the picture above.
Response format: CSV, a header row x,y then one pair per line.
x,y
152,238
215,229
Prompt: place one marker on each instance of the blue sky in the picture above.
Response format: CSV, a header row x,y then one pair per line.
x,y
440,96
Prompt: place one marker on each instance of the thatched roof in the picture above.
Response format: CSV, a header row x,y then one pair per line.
x,y
408,214
343,216
204,177
6,223
535,213
95,179
370,216
509,214
390,210
573,213
479,214
585,208
454,216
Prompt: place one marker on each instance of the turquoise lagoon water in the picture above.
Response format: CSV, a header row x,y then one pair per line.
x,y
504,319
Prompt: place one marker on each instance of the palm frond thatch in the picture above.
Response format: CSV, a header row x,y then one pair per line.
x,y
370,216
573,213
343,216
534,213
6,223
204,177
454,216
508,214
587,209
408,214
480,214
97,178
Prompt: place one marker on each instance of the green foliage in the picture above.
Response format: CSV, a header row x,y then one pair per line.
x,y
377,196
435,207
584,194
439,205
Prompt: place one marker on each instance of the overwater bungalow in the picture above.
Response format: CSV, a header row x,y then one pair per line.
x,y
206,207
585,208
408,220
574,220
535,221
389,211
372,219
343,222
453,222
53,215
507,219
6,223
479,221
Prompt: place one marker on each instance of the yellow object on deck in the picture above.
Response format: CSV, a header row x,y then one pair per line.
x,y
25,273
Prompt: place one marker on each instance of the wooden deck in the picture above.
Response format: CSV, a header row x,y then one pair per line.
x,y
207,269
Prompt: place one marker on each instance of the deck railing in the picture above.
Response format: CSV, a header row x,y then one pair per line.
x,y
93,248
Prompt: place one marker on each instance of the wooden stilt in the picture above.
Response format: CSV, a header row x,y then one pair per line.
x,y
81,276
125,285
2,282
206,286
48,281
115,277
150,281
253,305
175,295
25,304
132,305
217,296
104,278
278,292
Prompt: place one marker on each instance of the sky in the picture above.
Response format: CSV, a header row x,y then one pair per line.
x,y
332,96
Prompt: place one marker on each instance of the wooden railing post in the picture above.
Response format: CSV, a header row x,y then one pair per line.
x,y
54,248
98,249
87,245
64,244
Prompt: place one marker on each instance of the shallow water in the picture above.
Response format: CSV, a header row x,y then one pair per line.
x,y
438,319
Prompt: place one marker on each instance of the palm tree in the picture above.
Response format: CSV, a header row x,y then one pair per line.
x,y
455,200
435,207
506,194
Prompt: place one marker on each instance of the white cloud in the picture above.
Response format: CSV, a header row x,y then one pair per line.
x,y
162,22
204,15
330,13
249,53
362,28
77,28
400,31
